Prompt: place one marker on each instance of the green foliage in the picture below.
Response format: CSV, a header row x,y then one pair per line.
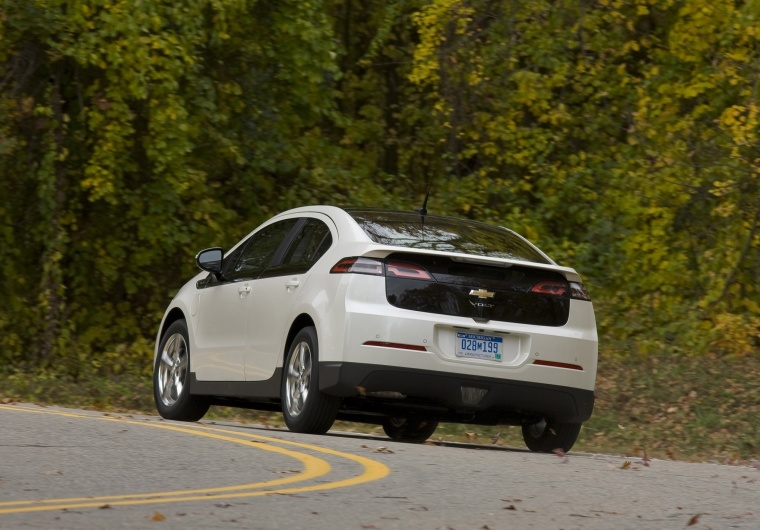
x,y
620,136
623,137
130,141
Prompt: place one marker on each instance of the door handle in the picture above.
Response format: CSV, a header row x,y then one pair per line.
x,y
292,284
244,290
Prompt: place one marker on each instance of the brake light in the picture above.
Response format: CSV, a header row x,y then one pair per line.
x,y
553,288
407,270
358,266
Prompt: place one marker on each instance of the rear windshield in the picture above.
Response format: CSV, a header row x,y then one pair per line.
x,y
411,230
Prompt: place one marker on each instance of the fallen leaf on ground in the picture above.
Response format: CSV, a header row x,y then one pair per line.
x,y
626,465
694,519
158,517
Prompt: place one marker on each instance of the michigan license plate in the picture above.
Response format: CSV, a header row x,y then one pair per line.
x,y
479,346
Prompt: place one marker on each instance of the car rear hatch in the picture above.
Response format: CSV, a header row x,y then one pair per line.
x,y
481,291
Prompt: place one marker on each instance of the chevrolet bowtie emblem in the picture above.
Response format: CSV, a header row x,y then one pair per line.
x,y
482,293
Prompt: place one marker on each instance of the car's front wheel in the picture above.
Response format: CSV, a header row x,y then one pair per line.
x,y
409,430
171,375
304,408
548,435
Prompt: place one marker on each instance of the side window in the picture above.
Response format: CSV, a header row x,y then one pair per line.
x,y
259,251
308,245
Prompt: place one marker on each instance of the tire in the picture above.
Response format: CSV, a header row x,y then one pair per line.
x,y
171,378
409,430
304,408
547,436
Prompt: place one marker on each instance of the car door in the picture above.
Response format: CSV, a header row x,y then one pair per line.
x,y
221,328
275,296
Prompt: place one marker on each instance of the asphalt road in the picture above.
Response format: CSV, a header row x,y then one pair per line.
x,y
64,468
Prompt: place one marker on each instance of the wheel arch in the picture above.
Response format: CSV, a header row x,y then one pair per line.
x,y
171,317
174,315
302,321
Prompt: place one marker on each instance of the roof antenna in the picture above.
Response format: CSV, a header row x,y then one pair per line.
x,y
423,211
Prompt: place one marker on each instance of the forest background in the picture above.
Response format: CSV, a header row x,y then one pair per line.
x,y
621,136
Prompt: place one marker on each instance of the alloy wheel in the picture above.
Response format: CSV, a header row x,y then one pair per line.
x,y
172,369
298,378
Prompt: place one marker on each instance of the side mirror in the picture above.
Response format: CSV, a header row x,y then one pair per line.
x,y
210,260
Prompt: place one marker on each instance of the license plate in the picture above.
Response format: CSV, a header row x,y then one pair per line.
x,y
479,346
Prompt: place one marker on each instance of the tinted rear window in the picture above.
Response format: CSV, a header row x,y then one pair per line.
x,y
446,234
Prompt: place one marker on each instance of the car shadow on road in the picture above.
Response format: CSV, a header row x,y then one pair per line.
x,y
384,439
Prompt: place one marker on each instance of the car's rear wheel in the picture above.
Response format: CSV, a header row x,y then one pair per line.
x,y
171,375
409,430
548,435
304,408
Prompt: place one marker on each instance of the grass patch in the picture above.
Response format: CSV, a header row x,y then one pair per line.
x,y
703,408
123,392
699,409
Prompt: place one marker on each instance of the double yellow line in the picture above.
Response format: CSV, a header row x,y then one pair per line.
x,y
313,467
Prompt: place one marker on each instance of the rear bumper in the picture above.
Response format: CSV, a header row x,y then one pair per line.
x,y
459,393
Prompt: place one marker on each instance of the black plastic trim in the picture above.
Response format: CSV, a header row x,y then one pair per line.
x,y
564,404
251,390
430,394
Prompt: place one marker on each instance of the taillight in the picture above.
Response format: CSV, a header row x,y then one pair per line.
x,y
406,270
554,288
358,266
578,291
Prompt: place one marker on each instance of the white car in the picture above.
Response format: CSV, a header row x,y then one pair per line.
x,y
398,318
